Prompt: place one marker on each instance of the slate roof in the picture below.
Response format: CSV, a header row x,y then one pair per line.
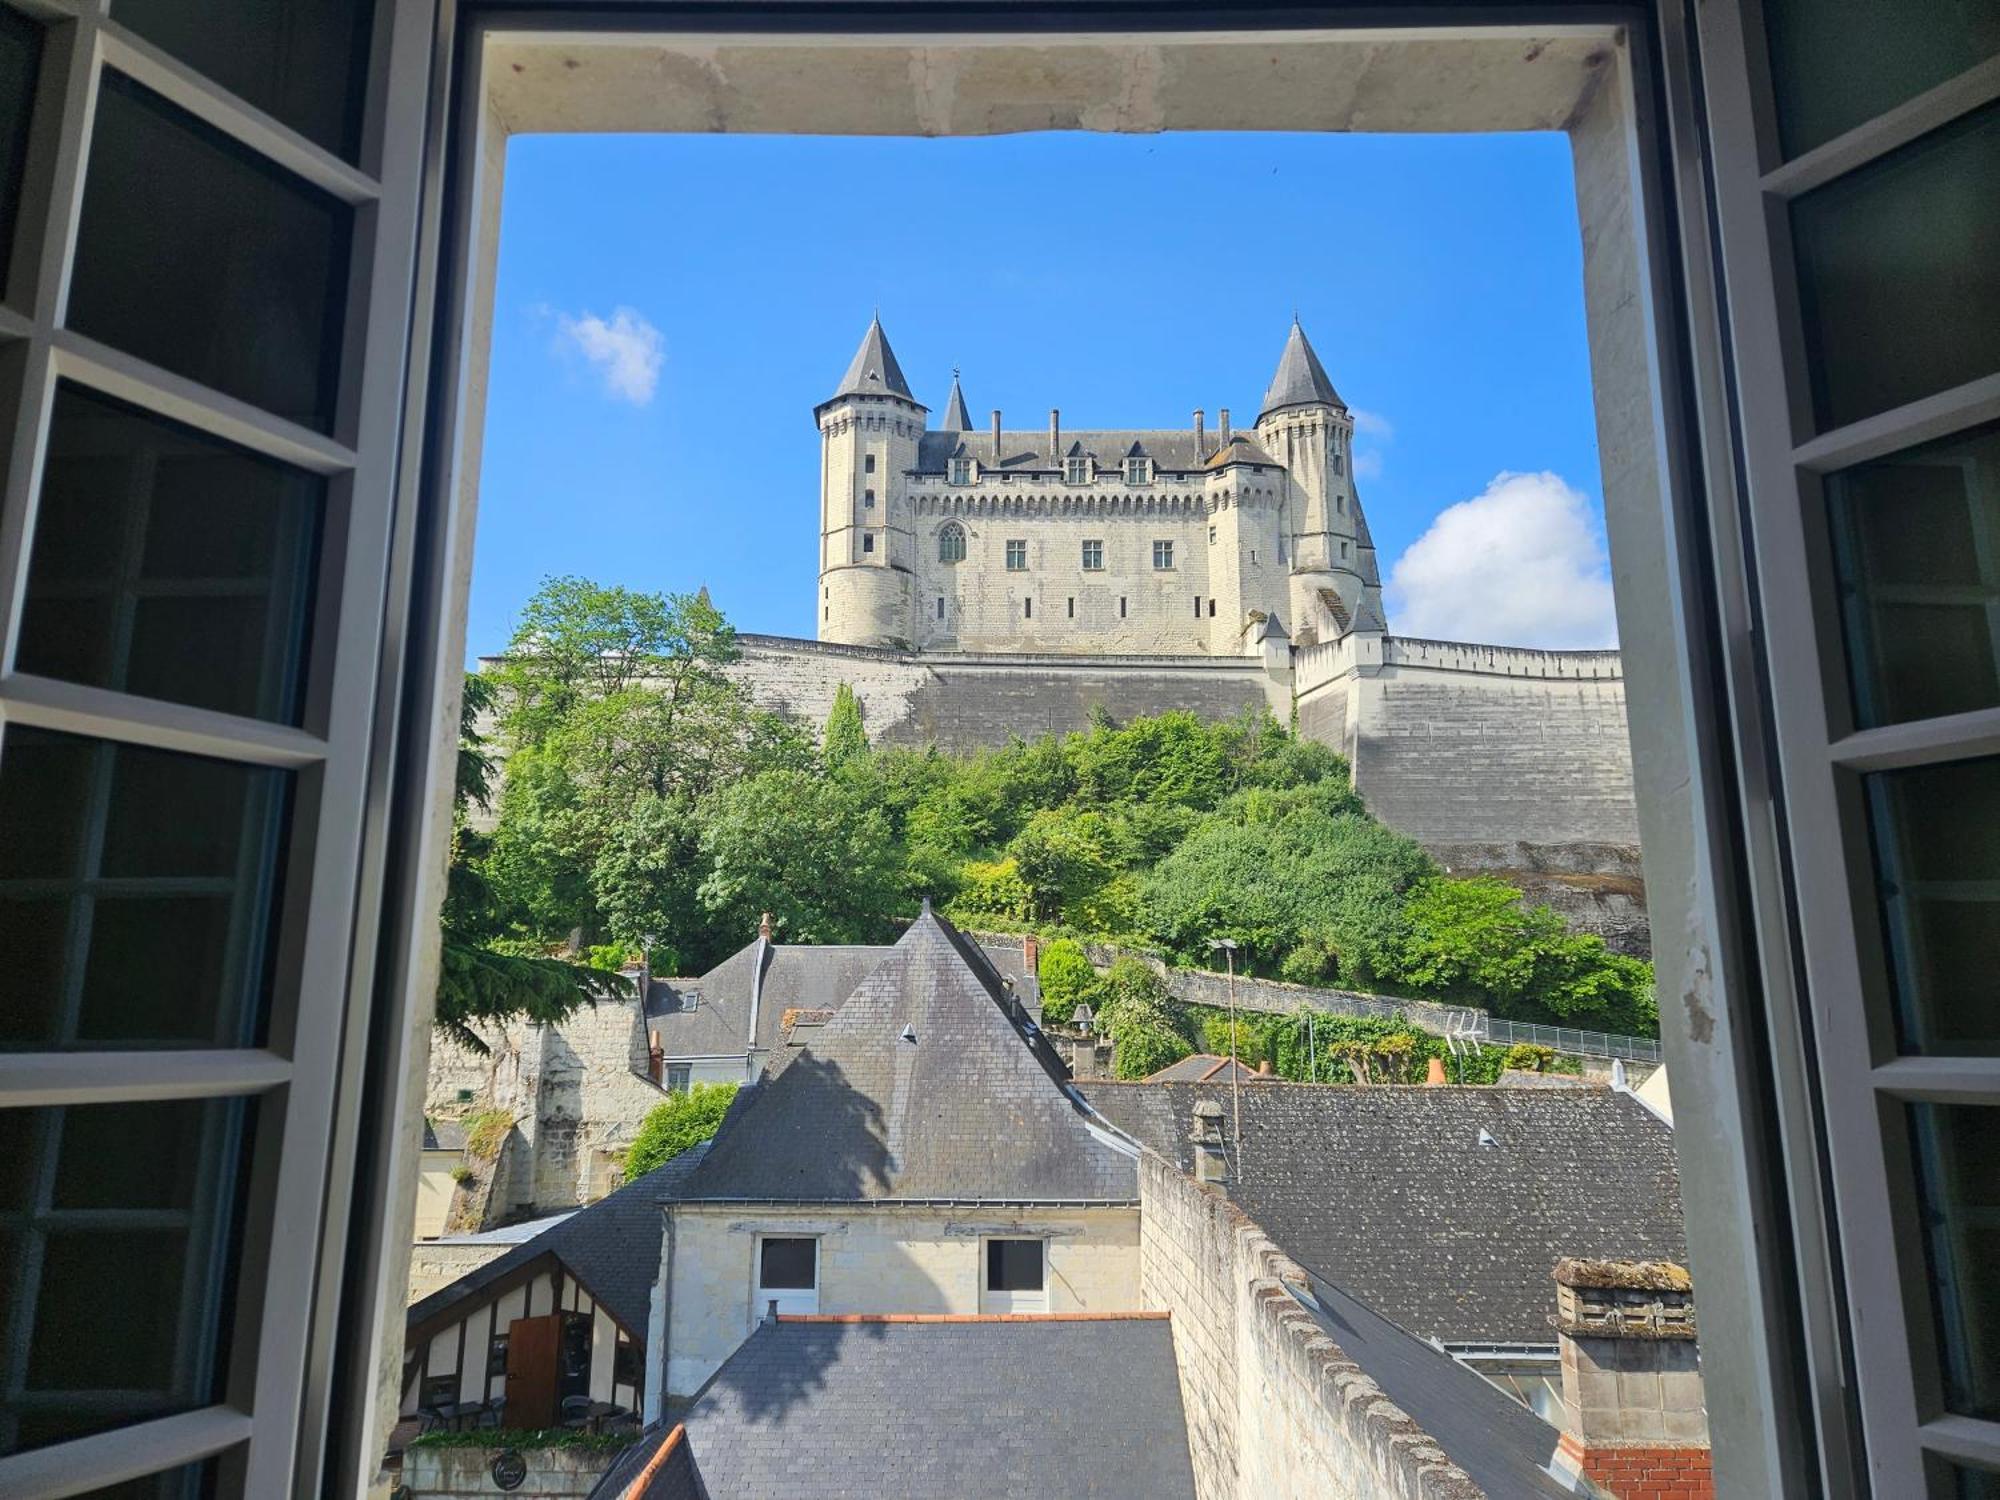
x,y
1502,1445
443,1135
873,371
1203,1067
795,976
1301,379
612,1246
956,417
1172,452
923,1085
1390,1193
968,1409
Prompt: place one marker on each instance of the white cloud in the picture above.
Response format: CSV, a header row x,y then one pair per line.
x,y
1522,564
1372,424
1367,464
625,349
1368,455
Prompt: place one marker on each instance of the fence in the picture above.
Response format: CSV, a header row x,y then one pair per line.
x,y
1501,1033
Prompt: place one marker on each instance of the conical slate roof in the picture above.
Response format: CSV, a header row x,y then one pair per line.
x,y
956,417
874,371
1301,379
926,1083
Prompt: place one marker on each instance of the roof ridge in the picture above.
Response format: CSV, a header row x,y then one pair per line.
x,y
1140,1314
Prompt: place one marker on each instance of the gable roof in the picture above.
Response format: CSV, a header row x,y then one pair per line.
x,y
612,1246
926,1083
1204,1067
1301,380
765,977
901,1408
1390,1193
873,370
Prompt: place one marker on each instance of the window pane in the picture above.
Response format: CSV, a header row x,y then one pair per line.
x,y
118,1241
196,254
191,1482
1899,272
1938,873
788,1264
1969,1484
170,565
1837,63
303,63
137,889
1916,541
1958,1177
20,61
1013,1265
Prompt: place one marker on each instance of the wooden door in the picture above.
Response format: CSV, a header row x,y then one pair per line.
x,y
532,1348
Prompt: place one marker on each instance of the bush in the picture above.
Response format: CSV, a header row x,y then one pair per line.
x,y
1150,1029
462,1174
676,1123
1215,1038
1066,975
541,1437
486,1132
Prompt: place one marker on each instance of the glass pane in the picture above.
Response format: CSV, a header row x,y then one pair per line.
x,y
1899,272
1013,1265
137,891
20,62
118,1240
169,564
304,62
788,1264
191,1482
1838,63
1958,1175
1969,1484
196,254
1916,540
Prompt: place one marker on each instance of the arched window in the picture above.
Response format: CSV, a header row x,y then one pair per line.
x,y
951,543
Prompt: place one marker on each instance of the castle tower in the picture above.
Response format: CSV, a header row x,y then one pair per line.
x,y
869,430
1334,584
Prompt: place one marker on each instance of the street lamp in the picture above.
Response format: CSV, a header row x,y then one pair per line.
x,y
1228,947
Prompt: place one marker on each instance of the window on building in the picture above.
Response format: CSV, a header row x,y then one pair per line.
x,y
1253,557
1072,606
1093,557
1163,554
961,471
628,1363
1211,609
951,543
788,1274
679,1076
1343,549
940,606
868,498
1016,1277
1017,557
1027,609
1340,504
1138,470
1121,606
1077,470
1197,606
868,464
1211,536
1336,461
867,543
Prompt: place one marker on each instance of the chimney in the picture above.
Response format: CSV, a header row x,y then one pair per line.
x,y
1633,1421
1222,423
1055,437
1031,953
1211,1143
997,455
764,927
1200,433
1264,1068
771,1310
656,1057
1083,1057
1435,1075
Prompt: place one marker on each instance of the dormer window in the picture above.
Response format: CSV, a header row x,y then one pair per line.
x,y
1138,471
1076,470
961,471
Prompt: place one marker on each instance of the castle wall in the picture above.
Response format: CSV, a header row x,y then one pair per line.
x,y
970,701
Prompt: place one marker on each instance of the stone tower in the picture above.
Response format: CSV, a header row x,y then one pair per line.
x,y
869,430
1335,586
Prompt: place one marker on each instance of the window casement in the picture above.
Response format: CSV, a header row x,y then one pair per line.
x,y
1211,607
787,1274
940,606
679,1077
1163,555
1138,470
867,543
868,464
1076,470
1027,609
1017,557
1072,606
951,543
1016,1277
1337,462
1197,606
961,471
868,499
1093,557
1121,606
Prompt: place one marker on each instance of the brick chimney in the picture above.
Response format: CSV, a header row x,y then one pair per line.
x,y
1031,953
1435,1074
764,927
1633,1421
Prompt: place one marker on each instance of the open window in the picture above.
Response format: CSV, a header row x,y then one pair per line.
x,y
787,1274
1016,1277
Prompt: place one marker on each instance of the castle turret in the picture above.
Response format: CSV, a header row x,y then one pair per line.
x,y
869,429
1334,586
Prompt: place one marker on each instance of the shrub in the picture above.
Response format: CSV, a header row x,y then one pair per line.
x,y
1066,975
486,1132
542,1437
676,1123
462,1174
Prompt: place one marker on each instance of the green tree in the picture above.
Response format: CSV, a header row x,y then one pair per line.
x,y
1064,856
480,977
844,738
1134,1009
805,847
676,1123
1066,976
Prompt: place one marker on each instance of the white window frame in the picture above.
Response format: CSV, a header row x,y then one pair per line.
x,y
1076,470
991,1301
963,471
1093,555
790,1299
1016,548
1163,555
1138,470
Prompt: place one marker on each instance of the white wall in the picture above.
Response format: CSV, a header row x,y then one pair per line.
x,y
434,1190
880,1259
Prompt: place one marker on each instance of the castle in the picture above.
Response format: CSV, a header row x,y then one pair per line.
x,y
1154,542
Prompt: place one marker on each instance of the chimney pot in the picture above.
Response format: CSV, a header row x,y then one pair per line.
x,y
1435,1075
764,927
1264,1068
1031,953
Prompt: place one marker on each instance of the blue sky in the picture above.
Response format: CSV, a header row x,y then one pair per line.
x,y
669,309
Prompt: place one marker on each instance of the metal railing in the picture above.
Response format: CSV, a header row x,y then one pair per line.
x,y
1567,1039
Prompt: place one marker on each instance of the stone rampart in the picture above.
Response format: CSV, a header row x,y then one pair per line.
x,y
1276,1409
